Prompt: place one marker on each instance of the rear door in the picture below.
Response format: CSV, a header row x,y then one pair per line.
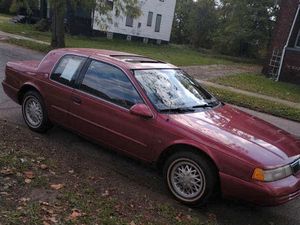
x,y
100,109
61,85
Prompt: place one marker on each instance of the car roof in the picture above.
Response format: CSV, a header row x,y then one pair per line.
x,y
124,59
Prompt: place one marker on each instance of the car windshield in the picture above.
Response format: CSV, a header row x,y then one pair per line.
x,y
172,90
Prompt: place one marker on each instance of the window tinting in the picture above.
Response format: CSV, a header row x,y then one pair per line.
x,y
110,84
149,20
68,67
157,23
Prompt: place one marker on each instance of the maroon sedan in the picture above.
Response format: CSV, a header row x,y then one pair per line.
x,y
155,112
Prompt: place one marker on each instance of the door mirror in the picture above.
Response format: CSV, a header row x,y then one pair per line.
x,y
141,110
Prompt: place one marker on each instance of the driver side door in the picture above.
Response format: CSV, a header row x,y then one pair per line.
x,y
101,110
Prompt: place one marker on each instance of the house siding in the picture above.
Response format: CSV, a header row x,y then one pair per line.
x,y
139,27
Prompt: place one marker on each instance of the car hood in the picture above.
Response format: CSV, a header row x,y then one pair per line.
x,y
243,135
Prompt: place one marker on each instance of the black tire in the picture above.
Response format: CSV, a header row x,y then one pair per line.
x,y
203,169
39,123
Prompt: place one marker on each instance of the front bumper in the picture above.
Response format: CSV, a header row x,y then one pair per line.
x,y
261,193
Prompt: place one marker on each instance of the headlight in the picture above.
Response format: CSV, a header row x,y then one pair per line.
x,y
272,175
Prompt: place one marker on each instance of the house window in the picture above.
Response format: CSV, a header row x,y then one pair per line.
x,y
149,20
110,4
129,21
297,45
157,23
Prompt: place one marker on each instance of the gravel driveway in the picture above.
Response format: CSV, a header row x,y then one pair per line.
x,y
142,180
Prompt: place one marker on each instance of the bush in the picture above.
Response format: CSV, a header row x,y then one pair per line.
x,y
42,25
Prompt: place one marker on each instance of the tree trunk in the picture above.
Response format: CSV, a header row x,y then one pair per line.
x,y
43,9
58,28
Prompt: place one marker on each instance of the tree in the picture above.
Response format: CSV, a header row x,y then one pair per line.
x,y
203,23
181,28
245,26
28,5
194,22
59,8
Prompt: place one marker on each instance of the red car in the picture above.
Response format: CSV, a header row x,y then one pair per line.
x,y
155,112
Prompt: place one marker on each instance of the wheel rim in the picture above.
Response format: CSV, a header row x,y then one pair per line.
x,y
186,179
33,112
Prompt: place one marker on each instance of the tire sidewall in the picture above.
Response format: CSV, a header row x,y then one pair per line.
x,y
44,124
206,168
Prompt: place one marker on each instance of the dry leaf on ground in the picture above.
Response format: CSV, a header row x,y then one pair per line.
x,y
56,186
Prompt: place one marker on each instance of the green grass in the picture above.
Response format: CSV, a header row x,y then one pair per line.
x,y
257,104
259,84
175,54
26,30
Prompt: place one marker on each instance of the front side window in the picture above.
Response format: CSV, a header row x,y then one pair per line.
x,y
67,69
111,84
171,90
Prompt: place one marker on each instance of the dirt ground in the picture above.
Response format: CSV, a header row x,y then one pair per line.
x,y
51,182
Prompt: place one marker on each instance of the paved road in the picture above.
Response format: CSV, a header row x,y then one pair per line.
x,y
227,212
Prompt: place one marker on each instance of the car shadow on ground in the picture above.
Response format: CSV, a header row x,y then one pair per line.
x,y
135,176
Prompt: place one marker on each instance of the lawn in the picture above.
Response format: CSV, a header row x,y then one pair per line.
x,y
257,104
175,54
259,84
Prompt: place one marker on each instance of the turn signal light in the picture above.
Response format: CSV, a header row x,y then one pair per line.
x,y
258,174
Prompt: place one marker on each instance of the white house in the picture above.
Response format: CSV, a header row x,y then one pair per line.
x,y
155,21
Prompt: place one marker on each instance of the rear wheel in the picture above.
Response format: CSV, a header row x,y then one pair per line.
x,y
34,112
190,177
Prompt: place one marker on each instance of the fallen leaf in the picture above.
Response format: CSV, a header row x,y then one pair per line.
x,y
132,223
53,219
29,174
178,219
49,211
46,223
44,203
105,194
7,171
43,166
56,186
24,199
75,214
27,181
71,171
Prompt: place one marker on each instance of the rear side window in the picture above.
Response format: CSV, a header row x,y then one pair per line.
x,y
67,69
111,84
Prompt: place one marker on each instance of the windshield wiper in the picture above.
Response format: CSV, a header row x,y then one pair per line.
x,y
207,105
178,110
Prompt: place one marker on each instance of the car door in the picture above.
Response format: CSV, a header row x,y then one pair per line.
x,y
100,110
61,85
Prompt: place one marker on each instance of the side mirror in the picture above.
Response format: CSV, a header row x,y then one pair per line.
x,y
141,110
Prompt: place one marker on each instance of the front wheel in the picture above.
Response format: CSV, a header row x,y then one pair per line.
x,y
190,177
34,112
